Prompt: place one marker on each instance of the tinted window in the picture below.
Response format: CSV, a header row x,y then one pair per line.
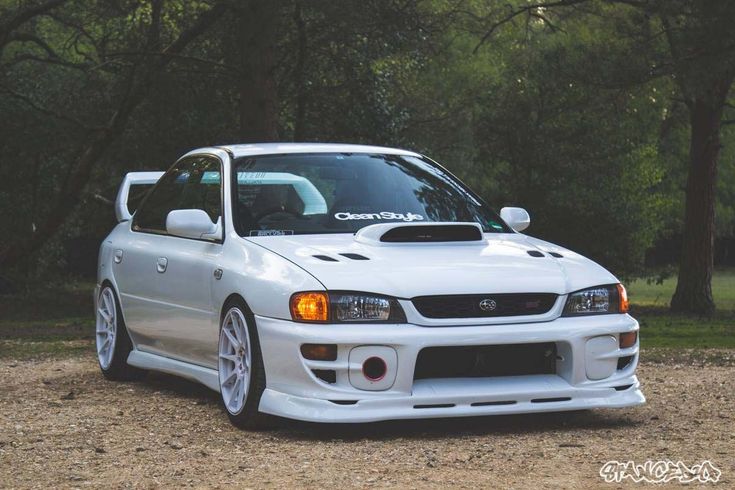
x,y
136,194
341,193
193,183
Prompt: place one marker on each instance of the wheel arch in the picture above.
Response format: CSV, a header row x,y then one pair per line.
x,y
232,298
250,319
113,285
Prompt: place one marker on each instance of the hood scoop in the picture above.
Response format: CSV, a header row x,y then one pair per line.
x,y
400,233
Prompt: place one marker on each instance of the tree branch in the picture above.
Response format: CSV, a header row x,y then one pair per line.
x,y
45,110
526,9
24,37
24,16
135,91
31,12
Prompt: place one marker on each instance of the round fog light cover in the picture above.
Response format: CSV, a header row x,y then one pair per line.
x,y
374,368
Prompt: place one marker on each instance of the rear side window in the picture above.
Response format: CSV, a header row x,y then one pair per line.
x,y
193,183
136,194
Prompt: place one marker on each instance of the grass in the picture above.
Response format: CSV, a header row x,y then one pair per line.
x,y
660,328
59,322
667,330
45,349
50,322
643,294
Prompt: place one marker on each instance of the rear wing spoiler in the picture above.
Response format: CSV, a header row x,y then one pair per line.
x,y
132,179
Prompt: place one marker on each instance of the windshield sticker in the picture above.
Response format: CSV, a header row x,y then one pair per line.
x,y
270,232
345,216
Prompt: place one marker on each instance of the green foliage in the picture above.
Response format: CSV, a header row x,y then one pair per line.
x,y
526,123
562,112
725,211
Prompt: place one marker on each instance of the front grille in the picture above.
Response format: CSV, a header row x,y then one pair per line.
x,y
484,305
484,361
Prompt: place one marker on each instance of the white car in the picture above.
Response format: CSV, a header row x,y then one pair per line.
x,y
345,283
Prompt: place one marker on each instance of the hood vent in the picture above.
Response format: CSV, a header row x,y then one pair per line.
x,y
325,258
432,233
534,253
354,256
556,254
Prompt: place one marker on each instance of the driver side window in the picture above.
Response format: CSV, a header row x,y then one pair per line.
x,y
194,183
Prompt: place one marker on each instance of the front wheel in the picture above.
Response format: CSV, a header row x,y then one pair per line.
x,y
112,340
241,371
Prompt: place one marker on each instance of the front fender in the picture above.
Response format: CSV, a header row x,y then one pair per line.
x,y
263,278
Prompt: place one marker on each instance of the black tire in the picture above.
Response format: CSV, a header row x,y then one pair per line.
x,y
249,417
119,369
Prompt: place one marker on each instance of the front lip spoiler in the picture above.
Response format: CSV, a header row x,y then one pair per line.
x,y
530,394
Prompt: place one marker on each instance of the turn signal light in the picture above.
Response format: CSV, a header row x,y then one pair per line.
x,y
628,339
622,299
310,307
319,352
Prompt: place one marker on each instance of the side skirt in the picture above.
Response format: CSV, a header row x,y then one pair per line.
x,y
144,360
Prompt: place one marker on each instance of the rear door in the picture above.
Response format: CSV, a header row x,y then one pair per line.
x,y
167,287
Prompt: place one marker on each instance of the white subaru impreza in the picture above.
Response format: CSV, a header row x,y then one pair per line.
x,y
345,283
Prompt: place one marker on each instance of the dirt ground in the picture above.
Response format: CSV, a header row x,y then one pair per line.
x,y
63,425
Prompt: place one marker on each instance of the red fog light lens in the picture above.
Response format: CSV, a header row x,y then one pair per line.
x,y
374,368
628,339
319,352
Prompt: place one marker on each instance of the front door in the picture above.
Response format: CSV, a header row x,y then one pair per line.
x,y
166,286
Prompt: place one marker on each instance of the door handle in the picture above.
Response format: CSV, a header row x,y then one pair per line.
x,y
161,264
118,256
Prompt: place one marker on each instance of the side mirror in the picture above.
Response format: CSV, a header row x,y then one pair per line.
x,y
193,223
517,218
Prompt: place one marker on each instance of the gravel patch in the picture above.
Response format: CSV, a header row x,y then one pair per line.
x,y
63,425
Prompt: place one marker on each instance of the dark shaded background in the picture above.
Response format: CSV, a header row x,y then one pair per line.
x,y
573,111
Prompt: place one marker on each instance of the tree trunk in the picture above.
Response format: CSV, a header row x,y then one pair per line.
x,y
257,27
694,287
298,132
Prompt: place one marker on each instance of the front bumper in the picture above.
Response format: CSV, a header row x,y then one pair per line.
x,y
294,391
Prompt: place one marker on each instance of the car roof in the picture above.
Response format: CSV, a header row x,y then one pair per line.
x,y
244,150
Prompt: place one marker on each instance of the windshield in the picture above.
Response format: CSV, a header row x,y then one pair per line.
x,y
298,194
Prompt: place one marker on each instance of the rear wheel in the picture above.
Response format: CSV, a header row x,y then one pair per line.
x,y
241,371
112,340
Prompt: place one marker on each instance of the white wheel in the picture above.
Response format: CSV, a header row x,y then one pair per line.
x,y
106,330
235,361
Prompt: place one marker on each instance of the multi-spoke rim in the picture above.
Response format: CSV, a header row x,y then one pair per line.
x,y
235,360
106,329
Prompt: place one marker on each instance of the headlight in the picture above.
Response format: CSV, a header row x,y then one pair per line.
x,y
611,298
345,307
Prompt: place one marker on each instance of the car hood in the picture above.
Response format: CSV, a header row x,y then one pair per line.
x,y
500,263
